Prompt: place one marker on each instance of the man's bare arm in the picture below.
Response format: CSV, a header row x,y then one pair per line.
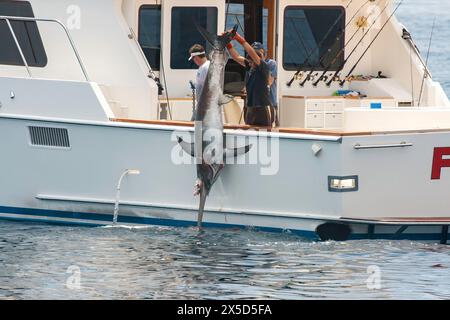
x,y
252,53
248,48
236,56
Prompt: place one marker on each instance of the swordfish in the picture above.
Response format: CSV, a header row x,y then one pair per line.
x,y
208,147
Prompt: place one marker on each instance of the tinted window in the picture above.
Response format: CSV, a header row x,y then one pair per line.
x,y
184,34
27,34
150,34
236,16
313,36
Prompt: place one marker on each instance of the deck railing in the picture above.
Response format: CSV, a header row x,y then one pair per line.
x,y
8,20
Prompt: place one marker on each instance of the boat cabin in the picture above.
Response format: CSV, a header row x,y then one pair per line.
x,y
345,65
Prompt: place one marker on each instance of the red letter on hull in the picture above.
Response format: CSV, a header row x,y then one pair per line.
x,y
439,162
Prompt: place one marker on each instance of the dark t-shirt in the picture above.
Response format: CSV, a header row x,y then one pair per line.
x,y
257,85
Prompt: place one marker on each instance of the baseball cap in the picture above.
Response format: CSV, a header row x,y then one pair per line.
x,y
258,46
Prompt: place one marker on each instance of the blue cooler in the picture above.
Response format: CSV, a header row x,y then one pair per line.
x,y
376,105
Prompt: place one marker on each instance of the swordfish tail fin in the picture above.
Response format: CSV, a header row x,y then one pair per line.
x,y
217,42
211,38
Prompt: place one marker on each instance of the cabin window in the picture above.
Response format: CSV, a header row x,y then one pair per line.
x,y
150,34
27,34
236,16
313,37
184,34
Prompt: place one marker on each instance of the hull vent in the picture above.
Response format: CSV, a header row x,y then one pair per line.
x,y
49,137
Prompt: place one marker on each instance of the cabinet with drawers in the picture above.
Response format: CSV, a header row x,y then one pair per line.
x,y
324,114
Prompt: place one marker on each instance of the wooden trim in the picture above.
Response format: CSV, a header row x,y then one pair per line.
x,y
156,122
245,127
323,132
176,99
294,97
270,5
337,98
318,132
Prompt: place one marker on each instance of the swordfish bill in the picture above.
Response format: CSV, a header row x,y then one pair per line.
x,y
208,147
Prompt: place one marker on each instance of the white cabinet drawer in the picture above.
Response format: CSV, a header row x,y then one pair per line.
x,y
314,120
334,106
333,120
314,106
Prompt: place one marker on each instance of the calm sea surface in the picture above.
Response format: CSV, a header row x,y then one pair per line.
x,y
51,262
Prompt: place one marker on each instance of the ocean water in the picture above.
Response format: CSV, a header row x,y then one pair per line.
x,y
39,261
51,262
418,17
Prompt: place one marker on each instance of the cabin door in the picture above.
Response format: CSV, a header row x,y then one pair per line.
x,y
256,20
179,34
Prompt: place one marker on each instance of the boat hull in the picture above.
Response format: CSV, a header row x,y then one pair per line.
x,y
289,191
302,227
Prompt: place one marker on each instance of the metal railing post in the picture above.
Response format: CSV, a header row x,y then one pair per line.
x,y
74,49
69,37
19,47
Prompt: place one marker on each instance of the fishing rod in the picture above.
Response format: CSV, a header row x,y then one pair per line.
x,y
371,43
341,66
425,74
227,12
321,43
338,37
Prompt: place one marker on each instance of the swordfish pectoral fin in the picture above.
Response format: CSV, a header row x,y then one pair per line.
x,y
236,152
189,148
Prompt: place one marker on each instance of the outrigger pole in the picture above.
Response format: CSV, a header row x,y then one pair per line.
x,y
319,45
338,37
352,52
370,45
425,72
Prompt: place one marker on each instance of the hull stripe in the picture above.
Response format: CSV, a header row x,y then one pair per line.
x,y
97,220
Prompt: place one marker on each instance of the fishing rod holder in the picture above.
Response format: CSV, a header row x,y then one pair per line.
x,y
342,83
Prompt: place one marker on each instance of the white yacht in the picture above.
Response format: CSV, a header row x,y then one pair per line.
x,y
94,93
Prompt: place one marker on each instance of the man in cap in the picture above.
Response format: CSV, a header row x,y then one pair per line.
x,y
273,66
198,56
257,84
